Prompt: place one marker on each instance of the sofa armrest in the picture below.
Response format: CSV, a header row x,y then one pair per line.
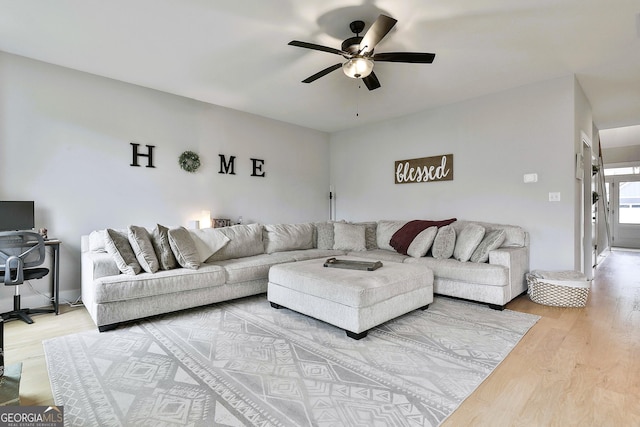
x,y
97,264
516,259
93,266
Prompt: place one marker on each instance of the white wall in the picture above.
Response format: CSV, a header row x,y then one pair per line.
x,y
583,137
65,143
495,140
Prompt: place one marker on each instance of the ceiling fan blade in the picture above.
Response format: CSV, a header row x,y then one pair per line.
x,y
317,47
411,57
322,73
371,81
378,30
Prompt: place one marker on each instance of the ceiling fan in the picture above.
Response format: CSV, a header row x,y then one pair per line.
x,y
360,55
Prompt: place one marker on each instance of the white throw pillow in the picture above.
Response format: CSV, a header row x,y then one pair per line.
x,y
422,242
183,248
208,241
96,241
467,241
444,243
118,246
140,241
287,237
349,237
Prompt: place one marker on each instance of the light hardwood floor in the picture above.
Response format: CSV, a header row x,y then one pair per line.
x,y
575,367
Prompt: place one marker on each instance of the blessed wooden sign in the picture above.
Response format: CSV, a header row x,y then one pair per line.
x,y
425,169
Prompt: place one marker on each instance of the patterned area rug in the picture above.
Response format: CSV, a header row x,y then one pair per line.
x,y
244,363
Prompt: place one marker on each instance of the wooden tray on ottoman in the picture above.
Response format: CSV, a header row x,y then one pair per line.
x,y
353,265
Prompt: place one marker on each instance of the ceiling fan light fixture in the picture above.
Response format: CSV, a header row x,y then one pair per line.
x,y
358,68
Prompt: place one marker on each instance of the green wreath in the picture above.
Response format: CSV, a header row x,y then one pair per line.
x,y
189,161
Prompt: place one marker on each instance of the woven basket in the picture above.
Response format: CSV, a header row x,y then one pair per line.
x,y
558,288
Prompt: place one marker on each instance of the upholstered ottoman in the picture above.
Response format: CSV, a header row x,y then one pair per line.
x,y
354,300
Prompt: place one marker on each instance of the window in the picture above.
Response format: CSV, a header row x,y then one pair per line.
x,y
633,170
629,203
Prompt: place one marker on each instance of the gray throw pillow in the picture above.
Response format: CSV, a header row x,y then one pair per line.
x,y
370,237
467,241
160,239
349,237
184,248
140,241
118,246
491,241
444,243
422,242
324,235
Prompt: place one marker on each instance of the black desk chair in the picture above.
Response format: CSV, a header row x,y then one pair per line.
x,y
20,251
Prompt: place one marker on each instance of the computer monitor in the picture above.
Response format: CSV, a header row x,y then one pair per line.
x,y
16,215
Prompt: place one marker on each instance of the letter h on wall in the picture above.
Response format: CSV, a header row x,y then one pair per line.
x,y
137,154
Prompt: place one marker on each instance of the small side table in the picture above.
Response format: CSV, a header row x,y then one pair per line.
x,y
10,385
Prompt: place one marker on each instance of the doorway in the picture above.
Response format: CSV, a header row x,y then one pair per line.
x,y
624,201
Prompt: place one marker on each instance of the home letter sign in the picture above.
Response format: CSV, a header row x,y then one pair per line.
x,y
425,169
137,154
227,167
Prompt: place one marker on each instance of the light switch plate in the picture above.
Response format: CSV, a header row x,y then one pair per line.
x,y
554,197
530,177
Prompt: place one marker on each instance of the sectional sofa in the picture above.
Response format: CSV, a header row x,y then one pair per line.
x,y
138,272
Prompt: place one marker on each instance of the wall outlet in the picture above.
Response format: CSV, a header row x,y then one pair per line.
x,y
554,197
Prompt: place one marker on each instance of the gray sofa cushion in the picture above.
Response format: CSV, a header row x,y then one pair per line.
x,y
469,272
118,246
245,240
320,254
380,255
122,288
256,267
287,237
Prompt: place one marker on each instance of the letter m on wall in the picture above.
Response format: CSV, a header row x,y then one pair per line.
x,y
227,167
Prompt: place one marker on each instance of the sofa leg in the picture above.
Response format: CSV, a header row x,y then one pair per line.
x,y
424,307
356,336
274,305
105,328
496,307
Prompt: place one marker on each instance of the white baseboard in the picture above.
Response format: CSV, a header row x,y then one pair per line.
x,y
30,300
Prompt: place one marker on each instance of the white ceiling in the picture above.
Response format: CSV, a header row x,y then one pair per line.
x,y
235,53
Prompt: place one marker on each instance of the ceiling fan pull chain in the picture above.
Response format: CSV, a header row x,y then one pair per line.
x,y
358,100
